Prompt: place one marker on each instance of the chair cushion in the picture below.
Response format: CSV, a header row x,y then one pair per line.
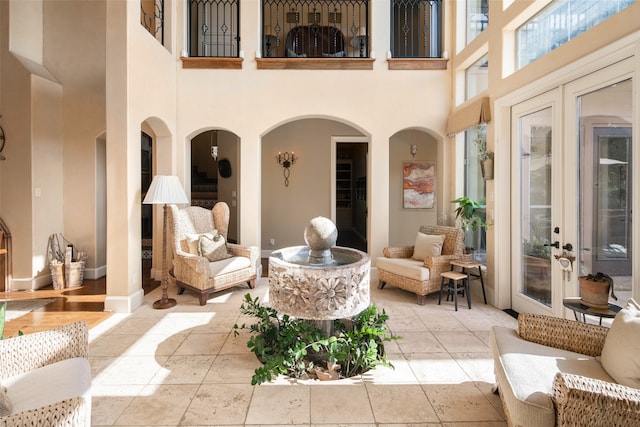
x,y
228,265
621,351
427,245
526,371
50,384
407,267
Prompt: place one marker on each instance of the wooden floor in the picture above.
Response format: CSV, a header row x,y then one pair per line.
x,y
84,302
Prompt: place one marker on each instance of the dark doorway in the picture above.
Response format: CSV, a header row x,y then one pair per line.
x,y
351,194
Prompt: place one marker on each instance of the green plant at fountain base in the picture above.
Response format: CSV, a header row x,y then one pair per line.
x,y
297,348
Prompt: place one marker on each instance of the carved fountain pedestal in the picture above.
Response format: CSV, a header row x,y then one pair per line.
x,y
319,281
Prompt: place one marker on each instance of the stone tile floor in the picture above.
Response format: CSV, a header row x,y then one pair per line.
x,y
184,366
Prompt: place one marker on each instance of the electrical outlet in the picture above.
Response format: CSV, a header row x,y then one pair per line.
x,y
272,242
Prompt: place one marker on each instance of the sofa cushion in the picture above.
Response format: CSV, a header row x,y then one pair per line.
x,y
50,384
407,267
525,372
621,351
427,245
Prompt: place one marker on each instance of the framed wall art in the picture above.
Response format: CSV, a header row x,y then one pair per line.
x,y
419,185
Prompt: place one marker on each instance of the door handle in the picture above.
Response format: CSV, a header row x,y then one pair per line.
x,y
555,244
568,247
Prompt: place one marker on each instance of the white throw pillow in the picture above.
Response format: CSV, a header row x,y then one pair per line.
x,y
427,245
621,352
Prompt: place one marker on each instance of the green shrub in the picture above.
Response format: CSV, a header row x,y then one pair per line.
x,y
295,347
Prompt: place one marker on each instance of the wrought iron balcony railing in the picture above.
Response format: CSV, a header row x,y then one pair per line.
x,y
152,18
315,28
214,28
416,28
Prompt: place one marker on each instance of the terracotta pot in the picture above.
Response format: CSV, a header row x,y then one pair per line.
x,y
594,293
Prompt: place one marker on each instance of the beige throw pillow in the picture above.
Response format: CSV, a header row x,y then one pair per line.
x,y
214,248
621,352
427,245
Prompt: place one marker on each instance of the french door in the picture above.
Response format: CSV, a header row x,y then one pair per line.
x,y
572,192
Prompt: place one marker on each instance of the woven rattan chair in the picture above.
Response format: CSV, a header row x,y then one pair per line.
x,y
422,277
195,272
48,377
577,400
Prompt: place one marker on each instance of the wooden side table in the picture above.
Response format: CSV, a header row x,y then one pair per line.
x,y
466,266
581,309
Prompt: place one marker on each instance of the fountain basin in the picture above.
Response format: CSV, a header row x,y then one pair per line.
x,y
337,289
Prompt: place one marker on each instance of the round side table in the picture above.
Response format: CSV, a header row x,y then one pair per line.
x,y
581,309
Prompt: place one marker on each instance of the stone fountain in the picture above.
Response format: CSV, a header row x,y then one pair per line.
x,y
320,281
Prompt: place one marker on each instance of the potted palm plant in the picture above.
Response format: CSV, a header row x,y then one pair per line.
x,y
471,221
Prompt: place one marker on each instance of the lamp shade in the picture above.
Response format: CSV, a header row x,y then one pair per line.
x,y
165,189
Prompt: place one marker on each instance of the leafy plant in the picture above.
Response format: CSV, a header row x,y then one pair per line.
x,y
3,314
296,347
480,140
467,213
538,247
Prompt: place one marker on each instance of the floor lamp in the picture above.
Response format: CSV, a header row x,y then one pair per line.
x,y
165,189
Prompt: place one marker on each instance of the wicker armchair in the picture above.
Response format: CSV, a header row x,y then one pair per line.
x,y
576,400
420,277
48,377
196,272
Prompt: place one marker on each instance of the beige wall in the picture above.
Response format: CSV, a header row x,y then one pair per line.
x,y
404,223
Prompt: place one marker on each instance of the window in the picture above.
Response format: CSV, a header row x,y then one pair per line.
x,y
214,27
474,185
416,28
559,22
477,77
477,18
152,18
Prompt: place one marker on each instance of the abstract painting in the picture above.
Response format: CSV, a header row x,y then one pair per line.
x,y
419,185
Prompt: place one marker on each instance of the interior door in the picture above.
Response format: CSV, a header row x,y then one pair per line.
x,y
537,205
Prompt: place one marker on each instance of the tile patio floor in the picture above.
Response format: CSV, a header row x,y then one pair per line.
x,y
183,366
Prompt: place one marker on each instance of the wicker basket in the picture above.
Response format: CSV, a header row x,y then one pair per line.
x,y
67,276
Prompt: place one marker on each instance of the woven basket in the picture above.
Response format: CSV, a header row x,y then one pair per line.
x,y
67,276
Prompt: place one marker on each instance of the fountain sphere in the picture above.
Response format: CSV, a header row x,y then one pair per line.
x,y
320,235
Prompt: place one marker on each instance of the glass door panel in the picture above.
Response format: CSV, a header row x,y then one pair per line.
x,y
606,184
535,205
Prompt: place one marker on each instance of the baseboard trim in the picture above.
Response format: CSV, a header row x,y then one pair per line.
x,y
124,304
95,273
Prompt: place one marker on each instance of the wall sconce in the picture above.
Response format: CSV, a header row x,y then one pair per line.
x,y
413,150
214,148
286,160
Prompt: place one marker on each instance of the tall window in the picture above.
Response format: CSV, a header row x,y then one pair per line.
x,y
477,18
474,185
214,28
559,22
416,28
477,77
